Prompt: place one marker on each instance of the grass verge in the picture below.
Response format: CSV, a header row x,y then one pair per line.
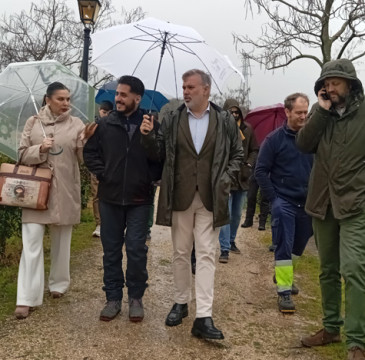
x,y
307,279
81,239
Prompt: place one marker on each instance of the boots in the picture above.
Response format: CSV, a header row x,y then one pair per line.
x,y
262,222
247,223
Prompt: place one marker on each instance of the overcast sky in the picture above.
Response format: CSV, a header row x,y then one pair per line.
x,y
216,21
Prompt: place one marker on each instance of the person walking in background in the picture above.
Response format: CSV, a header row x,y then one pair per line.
x,y
53,138
227,234
116,157
282,173
202,154
253,189
335,133
104,109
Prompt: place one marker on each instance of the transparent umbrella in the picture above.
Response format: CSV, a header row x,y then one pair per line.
x,y
159,52
22,88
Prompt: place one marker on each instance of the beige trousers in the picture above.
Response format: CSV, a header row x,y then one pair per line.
x,y
194,223
31,266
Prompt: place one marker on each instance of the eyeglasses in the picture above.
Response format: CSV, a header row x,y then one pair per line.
x,y
235,112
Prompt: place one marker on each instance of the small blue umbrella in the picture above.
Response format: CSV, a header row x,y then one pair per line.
x,y
107,92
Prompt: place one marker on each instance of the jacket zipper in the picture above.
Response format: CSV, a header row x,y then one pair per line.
x,y
125,166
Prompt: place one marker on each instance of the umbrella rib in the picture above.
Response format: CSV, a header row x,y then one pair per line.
x,y
142,57
29,91
162,34
174,64
202,62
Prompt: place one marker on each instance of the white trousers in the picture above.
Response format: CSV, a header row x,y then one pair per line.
x,y
31,266
194,223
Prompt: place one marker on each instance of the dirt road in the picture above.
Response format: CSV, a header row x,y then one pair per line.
x,y
245,310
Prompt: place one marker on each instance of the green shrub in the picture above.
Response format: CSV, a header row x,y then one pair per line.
x,y
10,218
85,186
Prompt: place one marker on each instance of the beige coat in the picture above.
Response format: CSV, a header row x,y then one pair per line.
x,y
64,203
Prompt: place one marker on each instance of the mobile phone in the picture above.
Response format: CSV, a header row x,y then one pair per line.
x,y
325,96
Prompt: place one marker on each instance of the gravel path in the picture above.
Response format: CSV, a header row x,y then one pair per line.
x,y
244,308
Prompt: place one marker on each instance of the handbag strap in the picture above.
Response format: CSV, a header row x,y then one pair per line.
x,y
20,157
16,168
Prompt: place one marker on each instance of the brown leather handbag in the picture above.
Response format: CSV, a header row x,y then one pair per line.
x,y
24,186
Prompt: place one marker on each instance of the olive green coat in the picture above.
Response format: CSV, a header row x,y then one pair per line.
x,y
338,142
228,156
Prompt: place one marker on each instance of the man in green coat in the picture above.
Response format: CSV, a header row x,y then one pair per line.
x,y
202,155
335,133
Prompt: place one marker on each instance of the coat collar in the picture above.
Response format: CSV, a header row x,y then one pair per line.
x,y
47,118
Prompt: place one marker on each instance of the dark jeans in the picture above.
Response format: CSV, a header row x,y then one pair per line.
x,y
253,189
124,224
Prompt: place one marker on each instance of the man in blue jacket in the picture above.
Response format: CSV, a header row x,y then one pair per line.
x,y
282,173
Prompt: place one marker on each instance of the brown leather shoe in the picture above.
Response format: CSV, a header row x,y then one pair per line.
x,y
320,338
56,295
355,353
22,312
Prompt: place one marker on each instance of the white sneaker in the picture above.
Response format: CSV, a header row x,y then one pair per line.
x,y
96,232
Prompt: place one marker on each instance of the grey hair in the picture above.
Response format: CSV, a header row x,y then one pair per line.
x,y
206,79
291,99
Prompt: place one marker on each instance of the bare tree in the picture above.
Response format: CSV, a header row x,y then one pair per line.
x,y
50,30
320,30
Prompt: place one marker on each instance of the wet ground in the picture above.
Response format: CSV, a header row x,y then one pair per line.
x,y
245,310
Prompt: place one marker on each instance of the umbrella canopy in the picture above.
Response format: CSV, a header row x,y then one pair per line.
x,y
22,88
158,53
153,100
265,119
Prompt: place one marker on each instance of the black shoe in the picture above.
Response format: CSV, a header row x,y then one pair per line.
x,y
262,222
272,247
286,304
224,257
204,328
235,249
177,313
247,223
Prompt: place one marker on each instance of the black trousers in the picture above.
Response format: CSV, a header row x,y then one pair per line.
x,y
253,189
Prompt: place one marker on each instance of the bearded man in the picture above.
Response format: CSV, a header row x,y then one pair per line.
x,y
118,160
335,133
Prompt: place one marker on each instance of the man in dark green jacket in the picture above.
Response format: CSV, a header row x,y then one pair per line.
x,y
202,154
335,132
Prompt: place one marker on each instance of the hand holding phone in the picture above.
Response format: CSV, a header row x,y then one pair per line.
x,y
325,95
323,99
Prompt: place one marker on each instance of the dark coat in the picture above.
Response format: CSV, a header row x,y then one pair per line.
x,y
338,175
228,155
281,169
120,162
250,150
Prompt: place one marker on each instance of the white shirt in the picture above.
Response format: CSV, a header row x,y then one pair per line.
x,y
199,127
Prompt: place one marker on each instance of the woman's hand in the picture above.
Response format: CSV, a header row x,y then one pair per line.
x,y
89,131
47,143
